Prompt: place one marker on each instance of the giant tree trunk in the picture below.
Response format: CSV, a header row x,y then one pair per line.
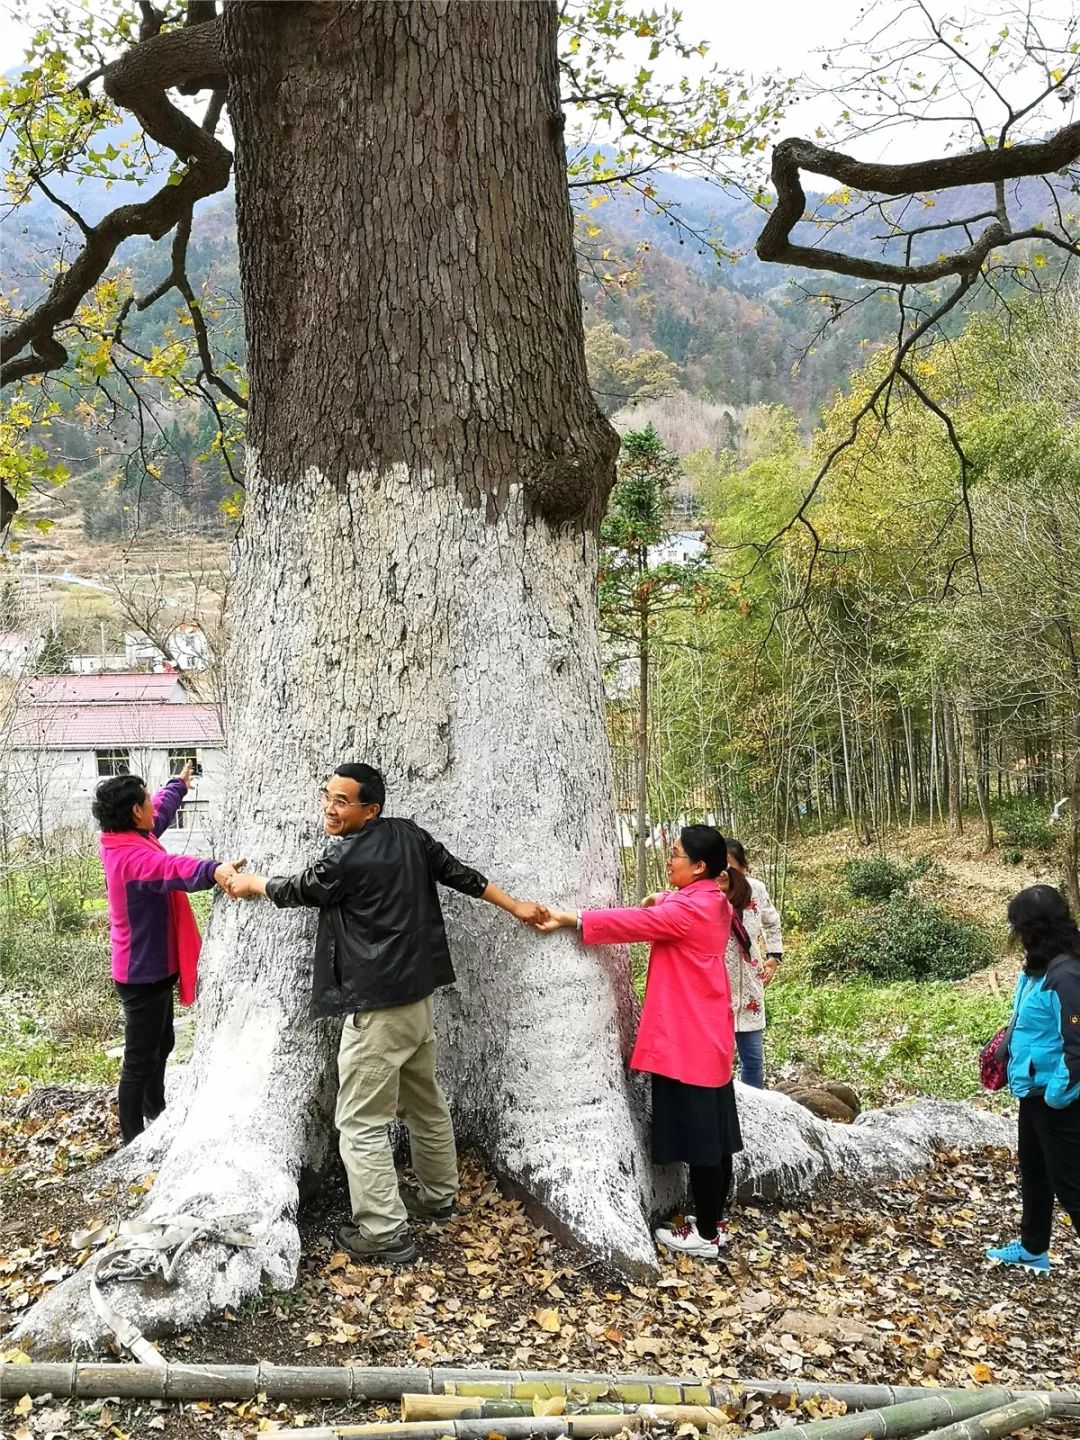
x,y
414,588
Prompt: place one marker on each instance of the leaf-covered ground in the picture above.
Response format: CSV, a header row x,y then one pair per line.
x,y
889,1285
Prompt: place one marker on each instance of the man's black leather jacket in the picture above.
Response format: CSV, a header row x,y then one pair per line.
x,y
381,940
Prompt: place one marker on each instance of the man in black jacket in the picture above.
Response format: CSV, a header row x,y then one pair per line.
x,y
380,953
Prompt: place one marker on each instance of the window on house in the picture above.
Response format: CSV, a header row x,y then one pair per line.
x,y
192,815
113,762
188,756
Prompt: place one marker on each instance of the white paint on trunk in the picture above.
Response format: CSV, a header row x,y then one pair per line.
x,y
387,621
789,1151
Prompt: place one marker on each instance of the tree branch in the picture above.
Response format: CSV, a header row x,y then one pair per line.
x,y
177,279
979,167
137,82
884,386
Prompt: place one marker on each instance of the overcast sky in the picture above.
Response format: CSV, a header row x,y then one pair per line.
x,y
771,37
739,33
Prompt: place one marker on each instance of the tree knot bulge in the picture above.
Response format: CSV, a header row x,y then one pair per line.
x,y
575,474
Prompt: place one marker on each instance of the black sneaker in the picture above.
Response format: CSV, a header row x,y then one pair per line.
x,y
427,1214
398,1251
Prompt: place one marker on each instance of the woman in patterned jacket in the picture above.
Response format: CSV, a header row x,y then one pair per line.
x,y
746,971
751,967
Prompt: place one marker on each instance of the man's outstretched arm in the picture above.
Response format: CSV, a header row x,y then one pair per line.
x,y
527,911
319,885
456,875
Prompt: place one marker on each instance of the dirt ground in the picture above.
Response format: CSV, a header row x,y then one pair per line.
x,y
882,1286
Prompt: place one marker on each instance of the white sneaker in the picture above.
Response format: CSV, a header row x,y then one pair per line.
x,y
685,1240
722,1235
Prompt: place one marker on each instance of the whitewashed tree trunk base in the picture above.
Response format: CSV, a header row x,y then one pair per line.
x,y
462,660
789,1152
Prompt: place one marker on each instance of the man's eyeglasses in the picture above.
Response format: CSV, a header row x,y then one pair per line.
x,y
337,802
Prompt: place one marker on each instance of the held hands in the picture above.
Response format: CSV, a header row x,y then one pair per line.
x,y
556,920
226,873
245,887
530,913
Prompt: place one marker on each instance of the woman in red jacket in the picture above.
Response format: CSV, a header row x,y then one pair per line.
x,y
686,1035
155,940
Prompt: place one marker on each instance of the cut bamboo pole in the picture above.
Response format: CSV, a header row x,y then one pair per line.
x,y
464,1407
996,1424
537,1427
910,1418
212,1382
375,1383
458,1407
126,1382
306,1382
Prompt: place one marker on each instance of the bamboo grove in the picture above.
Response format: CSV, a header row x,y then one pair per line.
x,y
910,654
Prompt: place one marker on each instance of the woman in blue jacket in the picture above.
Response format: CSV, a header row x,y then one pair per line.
x,y
1044,1071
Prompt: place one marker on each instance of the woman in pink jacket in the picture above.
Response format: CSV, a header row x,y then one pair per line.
x,y
686,1035
155,940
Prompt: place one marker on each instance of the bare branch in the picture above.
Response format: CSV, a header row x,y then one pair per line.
x,y
981,167
69,210
151,22
178,279
882,389
965,464
138,82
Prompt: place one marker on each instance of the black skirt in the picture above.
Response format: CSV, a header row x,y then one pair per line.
x,y
694,1124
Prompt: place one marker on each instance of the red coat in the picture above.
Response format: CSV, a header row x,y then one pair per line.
x,y
686,1030
151,926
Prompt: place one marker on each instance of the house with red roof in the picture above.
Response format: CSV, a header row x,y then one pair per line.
x,y
69,731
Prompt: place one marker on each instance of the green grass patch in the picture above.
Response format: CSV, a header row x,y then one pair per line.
x,y
58,1011
884,1039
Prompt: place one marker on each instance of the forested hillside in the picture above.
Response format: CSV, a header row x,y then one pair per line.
x,y
663,315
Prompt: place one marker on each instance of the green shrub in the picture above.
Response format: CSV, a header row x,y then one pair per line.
x,y
58,896
806,906
1023,823
901,939
875,879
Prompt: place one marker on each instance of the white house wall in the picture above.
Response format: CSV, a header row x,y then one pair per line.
x,y
48,790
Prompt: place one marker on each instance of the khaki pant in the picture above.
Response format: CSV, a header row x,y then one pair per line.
x,y
386,1071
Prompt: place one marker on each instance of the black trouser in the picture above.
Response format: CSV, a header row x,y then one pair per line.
x,y
148,1043
1048,1146
709,1185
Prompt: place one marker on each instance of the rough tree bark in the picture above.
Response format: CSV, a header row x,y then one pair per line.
x,y
415,587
